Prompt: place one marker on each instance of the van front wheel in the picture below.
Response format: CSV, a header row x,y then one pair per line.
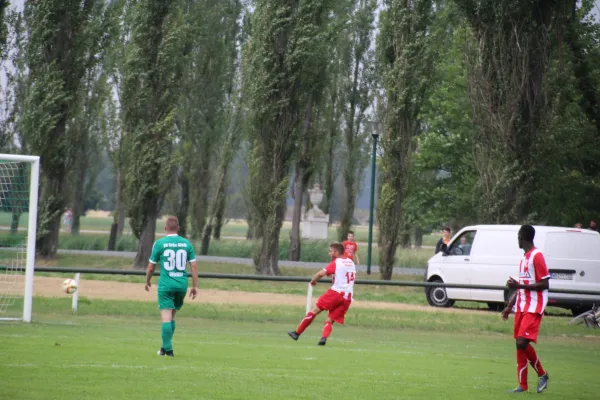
x,y
437,297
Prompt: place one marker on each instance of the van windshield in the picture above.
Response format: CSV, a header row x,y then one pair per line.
x,y
573,245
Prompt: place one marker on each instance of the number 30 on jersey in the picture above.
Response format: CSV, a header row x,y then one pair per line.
x,y
175,259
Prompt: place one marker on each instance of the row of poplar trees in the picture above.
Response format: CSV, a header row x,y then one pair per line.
x,y
490,110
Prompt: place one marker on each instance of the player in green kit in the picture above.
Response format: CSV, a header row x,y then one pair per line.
x,y
172,252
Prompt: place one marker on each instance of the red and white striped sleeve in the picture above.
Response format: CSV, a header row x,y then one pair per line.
x,y
541,270
330,268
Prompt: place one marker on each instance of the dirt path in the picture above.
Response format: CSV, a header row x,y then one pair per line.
x,y
110,290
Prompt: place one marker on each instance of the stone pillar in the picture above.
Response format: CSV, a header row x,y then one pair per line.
x,y
315,223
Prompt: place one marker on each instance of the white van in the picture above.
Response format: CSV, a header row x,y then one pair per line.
x,y
490,254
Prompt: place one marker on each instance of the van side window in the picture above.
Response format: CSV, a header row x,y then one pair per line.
x,y
462,245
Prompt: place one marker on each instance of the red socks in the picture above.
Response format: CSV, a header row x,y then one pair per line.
x,y
534,360
305,322
327,329
522,368
523,356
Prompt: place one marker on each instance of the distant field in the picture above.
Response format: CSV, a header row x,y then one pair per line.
x,y
236,228
312,250
108,351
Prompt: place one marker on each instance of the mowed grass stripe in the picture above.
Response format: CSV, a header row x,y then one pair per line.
x,y
108,357
431,320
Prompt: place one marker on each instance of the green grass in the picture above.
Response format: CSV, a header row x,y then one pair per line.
x,y
312,250
108,351
96,223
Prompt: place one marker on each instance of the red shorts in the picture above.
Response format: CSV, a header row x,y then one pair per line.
x,y
335,303
527,325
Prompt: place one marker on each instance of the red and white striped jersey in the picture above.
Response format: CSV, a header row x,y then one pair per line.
x,y
532,270
344,272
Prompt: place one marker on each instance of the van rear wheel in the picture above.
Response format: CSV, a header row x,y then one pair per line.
x,y
437,297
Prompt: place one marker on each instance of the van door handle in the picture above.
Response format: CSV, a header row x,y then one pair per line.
x,y
467,259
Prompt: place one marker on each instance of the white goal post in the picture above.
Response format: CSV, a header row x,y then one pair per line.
x,y
19,183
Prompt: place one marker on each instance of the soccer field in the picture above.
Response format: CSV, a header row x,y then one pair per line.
x,y
231,356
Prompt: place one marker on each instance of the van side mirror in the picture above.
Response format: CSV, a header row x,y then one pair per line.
x,y
444,250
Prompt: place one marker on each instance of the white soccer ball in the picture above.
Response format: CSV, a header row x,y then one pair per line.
x,y
69,286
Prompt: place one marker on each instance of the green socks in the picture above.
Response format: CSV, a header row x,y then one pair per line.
x,y
173,326
167,335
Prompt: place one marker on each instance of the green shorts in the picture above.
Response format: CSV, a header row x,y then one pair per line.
x,y
170,300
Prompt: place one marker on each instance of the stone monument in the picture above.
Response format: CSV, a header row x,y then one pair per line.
x,y
315,223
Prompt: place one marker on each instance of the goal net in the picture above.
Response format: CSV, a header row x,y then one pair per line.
x,y
19,180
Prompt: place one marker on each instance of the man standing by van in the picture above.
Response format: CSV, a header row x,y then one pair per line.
x,y
530,299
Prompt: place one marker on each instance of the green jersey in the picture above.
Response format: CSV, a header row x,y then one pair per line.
x,y
173,253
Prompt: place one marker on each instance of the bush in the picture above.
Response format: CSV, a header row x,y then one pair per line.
x,y
83,242
126,243
311,250
96,242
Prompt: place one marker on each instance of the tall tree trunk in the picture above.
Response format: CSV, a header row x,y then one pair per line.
x,y
218,204
329,178
349,204
51,211
268,260
147,238
405,241
299,188
418,237
14,224
220,216
118,213
200,198
18,204
182,211
304,171
120,204
251,227
78,197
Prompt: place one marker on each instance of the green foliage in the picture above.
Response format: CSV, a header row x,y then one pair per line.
x,y
58,41
407,58
3,28
509,64
90,120
570,140
204,116
443,179
284,59
151,79
357,83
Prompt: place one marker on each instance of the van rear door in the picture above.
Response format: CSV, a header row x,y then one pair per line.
x,y
573,259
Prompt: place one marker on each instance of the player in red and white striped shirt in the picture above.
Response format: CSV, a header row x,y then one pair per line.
x,y
336,300
530,300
